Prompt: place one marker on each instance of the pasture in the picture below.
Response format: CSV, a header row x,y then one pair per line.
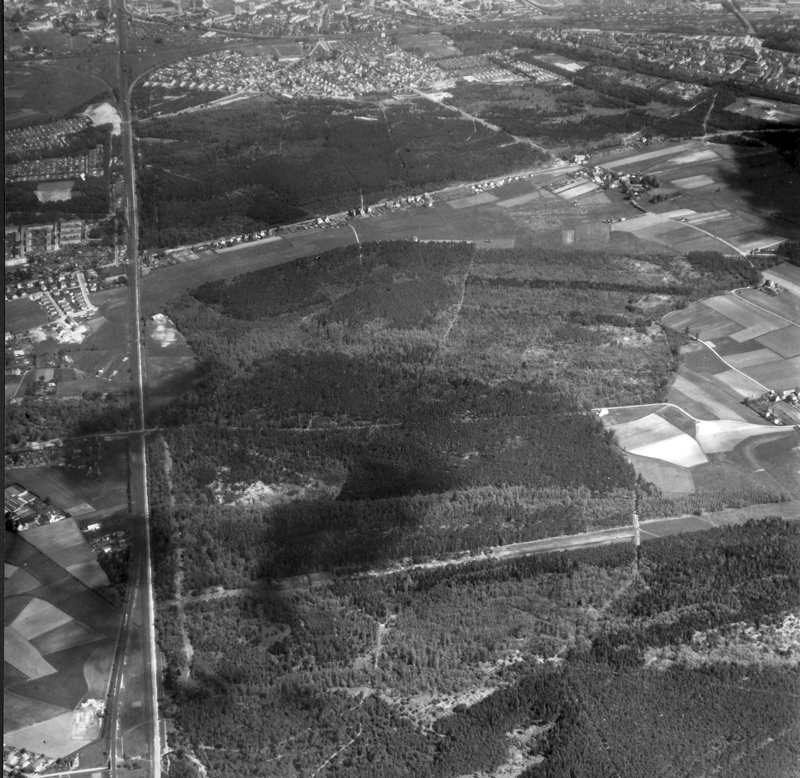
x,y
24,314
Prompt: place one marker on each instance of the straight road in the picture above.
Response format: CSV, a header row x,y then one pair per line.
x,y
140,603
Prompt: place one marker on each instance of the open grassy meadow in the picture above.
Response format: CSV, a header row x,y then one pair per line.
x,y
23,314
41,91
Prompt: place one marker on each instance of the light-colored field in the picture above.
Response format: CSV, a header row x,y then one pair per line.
x,y
97,671
19,712
741,384
22,581
52,737
654,437
785,342
716,437
786,305
468,202
752,358
577,191
651,428
744,314
786,275
89,573
656,230
38,617
666,476
694,156
51,538
639,223
65,544
718,408
42,485
708,216
755,239
73,633
693,182
680,213
598,198
702,243
682,450
20,654
778,375
520,200
649,155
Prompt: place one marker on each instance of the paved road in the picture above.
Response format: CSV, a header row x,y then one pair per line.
x,y
139,605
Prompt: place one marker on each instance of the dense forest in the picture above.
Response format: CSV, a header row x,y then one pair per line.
x,y
365,412
372,675
413,400
233,170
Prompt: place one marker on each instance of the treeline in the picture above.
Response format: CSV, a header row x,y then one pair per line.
x,y
89,199
32,420
303,283
657,507
187,186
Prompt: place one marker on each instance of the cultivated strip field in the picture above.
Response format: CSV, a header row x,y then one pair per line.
x,y
58,633
755,333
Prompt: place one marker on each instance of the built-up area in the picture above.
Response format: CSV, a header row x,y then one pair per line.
x,y
736,59
331,68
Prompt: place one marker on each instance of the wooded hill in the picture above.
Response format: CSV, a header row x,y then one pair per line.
x,y
254,165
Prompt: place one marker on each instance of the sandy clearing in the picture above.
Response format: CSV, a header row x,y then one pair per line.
x,y
717,437
105,113
682,451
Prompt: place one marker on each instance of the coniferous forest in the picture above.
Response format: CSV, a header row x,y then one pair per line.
x,y
363,414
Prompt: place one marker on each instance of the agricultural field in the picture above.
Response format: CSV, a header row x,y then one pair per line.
x,y
60,636
46,482
24,314
682,455
42,92
748,343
